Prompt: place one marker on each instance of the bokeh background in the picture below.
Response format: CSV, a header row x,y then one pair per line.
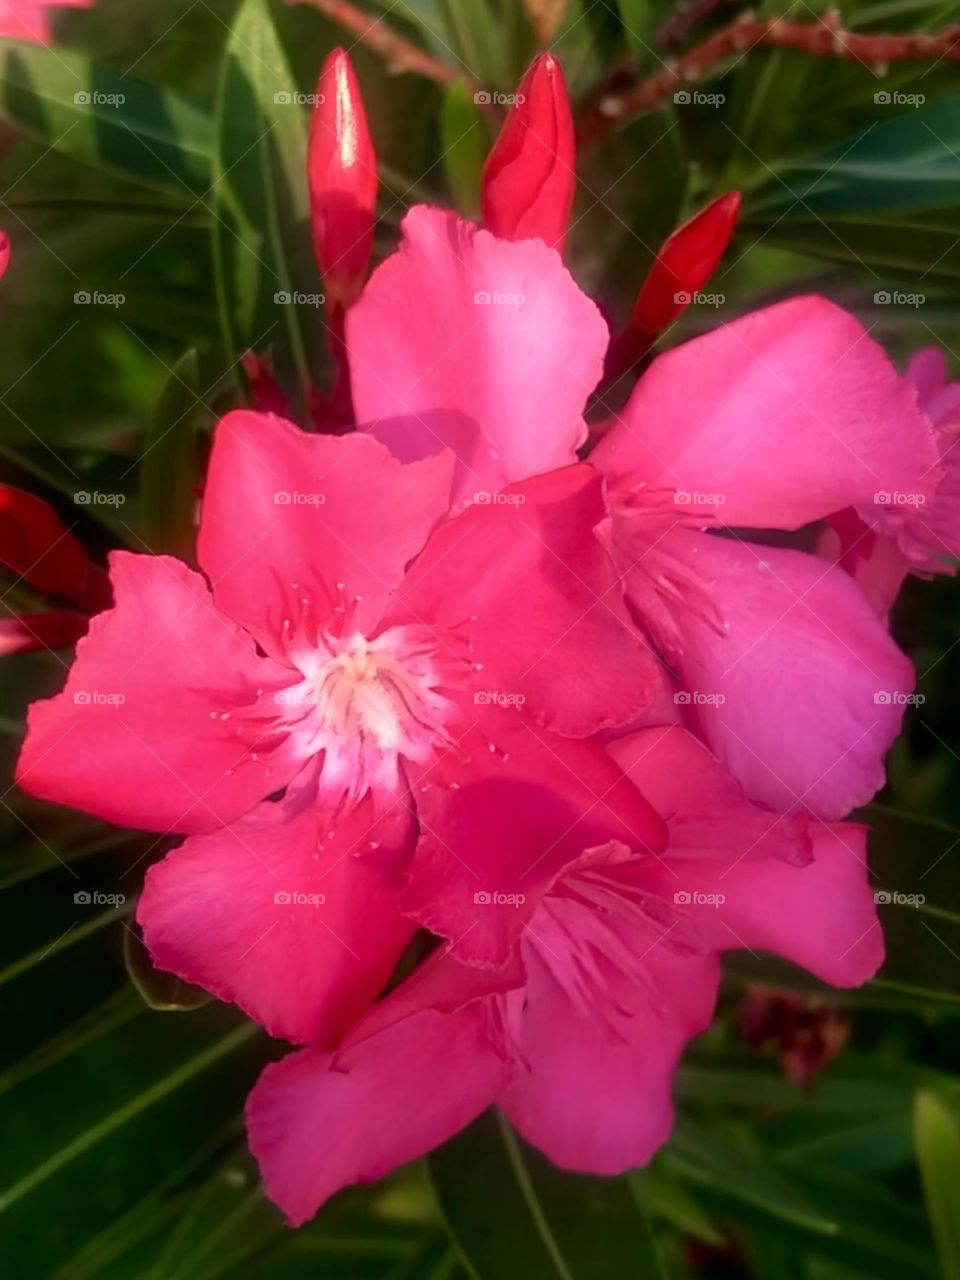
x,y
818,1131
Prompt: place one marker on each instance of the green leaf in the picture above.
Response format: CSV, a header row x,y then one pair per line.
x,y
477,42
144,133
745,1172
549,1224
882,251
912,860
168,467
261,235
938,1154
904,164
637,20
465,141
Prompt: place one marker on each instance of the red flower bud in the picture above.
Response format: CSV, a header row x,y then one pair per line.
x,y
342,174
36,545
4,253
57,629
267,394
529,177
683,266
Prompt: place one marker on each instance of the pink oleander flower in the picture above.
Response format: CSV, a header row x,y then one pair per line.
x,y
529,179
775,421
39,550
905,532
577,1037
28,19
350,673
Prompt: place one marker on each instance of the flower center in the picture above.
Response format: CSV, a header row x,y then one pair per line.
x,y
370,703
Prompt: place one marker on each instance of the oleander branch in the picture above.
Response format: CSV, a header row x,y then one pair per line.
x,y
399,53
824,38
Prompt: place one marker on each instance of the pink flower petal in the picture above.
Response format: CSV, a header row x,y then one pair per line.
x,y
779,419
298,525
798,688
475,344
587,1098
317,1124
500,816
283,914
549,628
739,876
143,733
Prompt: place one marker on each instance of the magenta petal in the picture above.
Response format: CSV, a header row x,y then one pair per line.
x,y
316,1125
475,344
588,1098
544,604
281,914
501,816
294,526
822,916
705,808
781,418
145,733
799,690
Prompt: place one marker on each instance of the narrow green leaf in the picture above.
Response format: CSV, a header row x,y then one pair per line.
x,y
261,235
464,147
743,1171
937,1140
637,19
142,132
477,41
550,1224
906,162
169,464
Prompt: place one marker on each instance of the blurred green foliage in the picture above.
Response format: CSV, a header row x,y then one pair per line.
x,y
123,1156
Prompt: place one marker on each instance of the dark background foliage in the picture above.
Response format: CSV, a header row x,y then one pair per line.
x,y
122,1155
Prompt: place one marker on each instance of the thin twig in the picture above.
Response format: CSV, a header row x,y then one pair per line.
x,y
824,38
399,53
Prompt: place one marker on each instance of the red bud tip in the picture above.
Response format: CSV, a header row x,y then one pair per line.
x,y
4,253
529,178
342,176
58,629
686,262
37,547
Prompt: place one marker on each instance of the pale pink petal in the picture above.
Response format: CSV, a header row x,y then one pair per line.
x,y
283,913
595,1096
295,526
317,1124
478,345
145,732
793,681
781,418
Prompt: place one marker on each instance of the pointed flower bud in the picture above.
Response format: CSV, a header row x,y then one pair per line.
x,y
36,545
683,266
529,178
54,629
342,175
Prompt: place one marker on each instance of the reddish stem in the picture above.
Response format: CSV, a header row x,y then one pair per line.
x,y
824,38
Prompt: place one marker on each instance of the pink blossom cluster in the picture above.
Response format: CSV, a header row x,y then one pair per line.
x,y
557,715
